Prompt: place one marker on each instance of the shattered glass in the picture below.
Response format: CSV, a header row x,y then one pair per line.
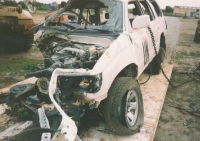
x,y
114,23
115,15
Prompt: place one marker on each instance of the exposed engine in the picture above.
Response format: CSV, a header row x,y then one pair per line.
x,y
61,53
70,55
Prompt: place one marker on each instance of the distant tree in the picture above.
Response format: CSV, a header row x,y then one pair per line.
x,y
22,4
9,3
41,6
169,9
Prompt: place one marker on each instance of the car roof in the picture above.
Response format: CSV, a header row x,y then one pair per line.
x,y
85,3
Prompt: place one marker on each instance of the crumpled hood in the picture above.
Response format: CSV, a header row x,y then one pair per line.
x,y
103,39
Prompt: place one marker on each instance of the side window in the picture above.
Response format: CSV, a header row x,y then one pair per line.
x,y
147,10
157,8
104,14
92,16
88,12
133,11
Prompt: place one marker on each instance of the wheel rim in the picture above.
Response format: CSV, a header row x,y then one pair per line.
x,y
131,112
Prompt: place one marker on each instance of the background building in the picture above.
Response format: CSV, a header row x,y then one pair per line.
x,y
185,11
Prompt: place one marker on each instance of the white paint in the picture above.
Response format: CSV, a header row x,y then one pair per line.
x,y
120,54
67,126
141,22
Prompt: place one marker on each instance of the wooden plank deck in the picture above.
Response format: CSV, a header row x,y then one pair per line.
x,y
153,91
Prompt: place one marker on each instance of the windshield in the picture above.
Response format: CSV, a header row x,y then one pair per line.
x,y
92,14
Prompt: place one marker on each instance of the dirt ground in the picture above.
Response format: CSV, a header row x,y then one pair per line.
x,y
10,77
173,125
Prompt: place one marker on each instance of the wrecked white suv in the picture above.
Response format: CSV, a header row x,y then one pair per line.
x,y
95,61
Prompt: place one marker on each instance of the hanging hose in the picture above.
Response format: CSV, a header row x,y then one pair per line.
x,y
154,45
149,75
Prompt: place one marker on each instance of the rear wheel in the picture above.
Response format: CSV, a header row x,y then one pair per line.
x,y
157,61
124,107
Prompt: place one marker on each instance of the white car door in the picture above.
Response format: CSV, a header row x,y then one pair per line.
x,y
140,47
160,21
154,28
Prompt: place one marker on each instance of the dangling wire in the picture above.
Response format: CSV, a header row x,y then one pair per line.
x,y
154,45
149,75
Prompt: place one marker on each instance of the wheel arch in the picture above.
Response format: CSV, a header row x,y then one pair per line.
x,y
130,70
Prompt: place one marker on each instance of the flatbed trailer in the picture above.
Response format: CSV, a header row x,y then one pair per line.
x,y
154,92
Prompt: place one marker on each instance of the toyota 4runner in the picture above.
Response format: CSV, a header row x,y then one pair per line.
x,y
95,61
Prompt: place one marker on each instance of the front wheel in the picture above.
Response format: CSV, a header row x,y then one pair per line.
x,y
124,107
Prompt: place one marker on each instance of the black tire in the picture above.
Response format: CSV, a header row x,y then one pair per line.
x,y
196,36
12,43
28,42
117,110
157,61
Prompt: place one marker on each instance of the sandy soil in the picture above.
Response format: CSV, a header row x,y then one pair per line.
x,y
173,125
9,78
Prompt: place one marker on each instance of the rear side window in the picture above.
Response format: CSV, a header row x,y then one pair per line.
x,y
157,8
147,10
104,14
133,11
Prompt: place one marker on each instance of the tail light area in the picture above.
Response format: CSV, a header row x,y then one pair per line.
x,y
29,26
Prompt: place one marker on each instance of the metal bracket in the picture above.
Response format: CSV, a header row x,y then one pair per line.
x,y
44,123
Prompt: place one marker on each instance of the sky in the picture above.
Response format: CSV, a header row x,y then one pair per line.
x,y
162,3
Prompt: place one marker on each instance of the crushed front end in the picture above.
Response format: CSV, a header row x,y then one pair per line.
x,y
75,57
